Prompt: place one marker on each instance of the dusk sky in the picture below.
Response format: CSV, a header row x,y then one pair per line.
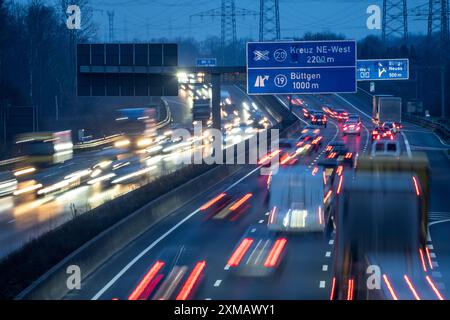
x,y
142,19
170,18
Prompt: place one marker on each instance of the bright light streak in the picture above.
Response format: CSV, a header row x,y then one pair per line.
x,y
429,257
422,260
416,186
274,254
341,179
78,174
191,281
102,178
327,197
241,201
104,164
27,189
56,186
333,287
390,288
134,174
434,288
59,147
411,287
144,142
143,284
239,253
212,201
350,289
122,143
24,171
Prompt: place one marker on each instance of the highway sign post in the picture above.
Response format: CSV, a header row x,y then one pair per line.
x,y
301,67
206,62
382,69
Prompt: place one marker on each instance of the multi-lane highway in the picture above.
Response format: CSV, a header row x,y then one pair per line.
x,y
24,217
195,251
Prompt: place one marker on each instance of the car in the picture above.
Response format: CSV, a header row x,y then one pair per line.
x,y
335,144
289,151
310,141
385,148
392,126
296,201
319,118
342,155
259,253
382,133
328,109
341,115
176,274
351,126
311,129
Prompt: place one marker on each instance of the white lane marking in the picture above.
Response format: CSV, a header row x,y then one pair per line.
x,y
261,221
435,264
217,283
13,220
430,246
325,267
267,213
162,237
331,242
408,147
432,255
253,230
227,267
322,284
328,254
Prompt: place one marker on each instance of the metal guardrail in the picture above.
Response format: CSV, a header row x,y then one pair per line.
x,y
440,129
98,143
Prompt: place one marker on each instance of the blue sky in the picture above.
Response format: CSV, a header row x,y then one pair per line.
x,y
139,19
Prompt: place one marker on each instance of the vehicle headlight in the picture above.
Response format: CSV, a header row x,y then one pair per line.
x,y
122,143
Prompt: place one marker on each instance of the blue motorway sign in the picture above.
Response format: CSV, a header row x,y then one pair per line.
x,y
206,62
301,67
383,69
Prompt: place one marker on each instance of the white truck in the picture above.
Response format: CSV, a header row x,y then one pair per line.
x,y
386,108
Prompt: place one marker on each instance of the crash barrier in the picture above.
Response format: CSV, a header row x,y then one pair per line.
x,y
95,252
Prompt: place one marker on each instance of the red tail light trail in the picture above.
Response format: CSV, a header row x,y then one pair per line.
x,y
241,201
239,253
137,292
191,281
411,287
350,289
333,287
274,254
416,186
390,288
434,288
212,201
